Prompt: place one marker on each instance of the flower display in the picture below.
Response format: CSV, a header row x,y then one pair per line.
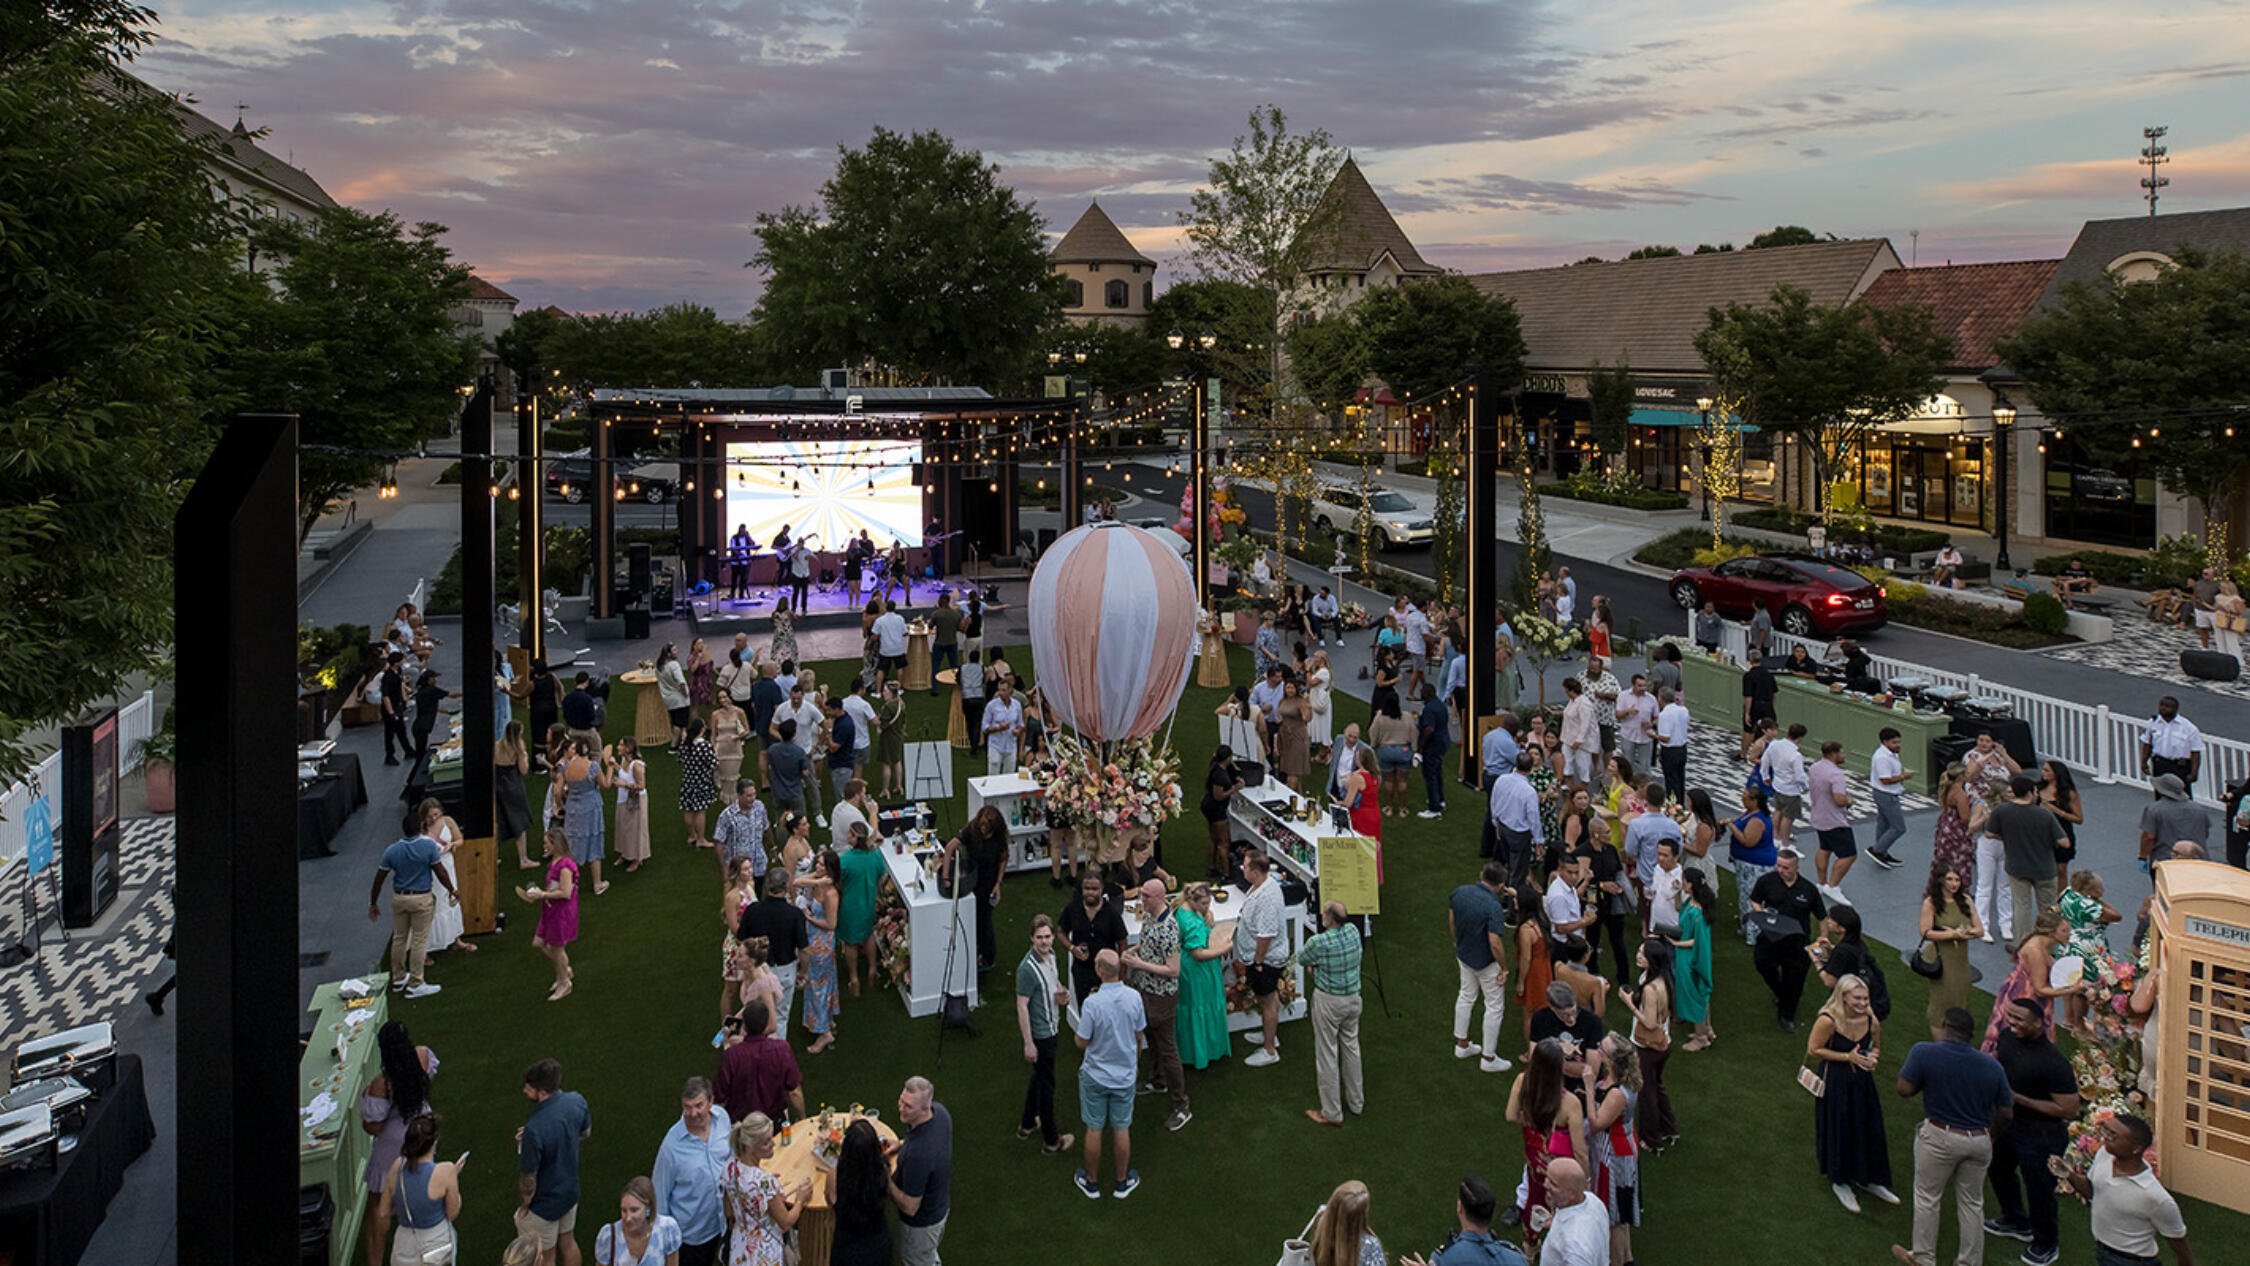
x,y
2106,1057
1240,997
894,944
1110,789
1354,616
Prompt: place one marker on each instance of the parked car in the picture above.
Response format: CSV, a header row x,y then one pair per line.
x,y
571,477
1808,597
1398,520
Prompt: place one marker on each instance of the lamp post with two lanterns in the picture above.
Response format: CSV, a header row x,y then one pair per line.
x,y
1703,449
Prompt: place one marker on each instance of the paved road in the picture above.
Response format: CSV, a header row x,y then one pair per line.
x,y
1637,595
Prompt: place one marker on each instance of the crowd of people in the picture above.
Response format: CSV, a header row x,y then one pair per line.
x,y
1591,840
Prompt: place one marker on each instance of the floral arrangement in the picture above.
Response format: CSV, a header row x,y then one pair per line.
x,y
894,945
1240,997
1354,615
1134,786
1542,640
2107,1061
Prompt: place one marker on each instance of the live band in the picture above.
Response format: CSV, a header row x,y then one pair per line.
x,y
800,562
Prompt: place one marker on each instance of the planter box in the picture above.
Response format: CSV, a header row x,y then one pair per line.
x,y
358,714
1245,627
157,781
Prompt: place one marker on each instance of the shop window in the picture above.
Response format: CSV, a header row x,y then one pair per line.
x,y
1117,294
2098,495
1148,294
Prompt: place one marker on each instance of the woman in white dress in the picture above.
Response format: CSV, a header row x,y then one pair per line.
x,y
632,805
445,925
1323,706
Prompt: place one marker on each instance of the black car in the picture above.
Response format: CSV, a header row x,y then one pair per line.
x,y
571,476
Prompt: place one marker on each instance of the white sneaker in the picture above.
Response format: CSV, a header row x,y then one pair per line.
x,y
1471,1051
1988,936
1884,1194
1257,1037
1493,1064
1260,1058
1845,1197
1428,813
821,820
422,990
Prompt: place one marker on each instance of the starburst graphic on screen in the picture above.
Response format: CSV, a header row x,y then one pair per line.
x,y
825,491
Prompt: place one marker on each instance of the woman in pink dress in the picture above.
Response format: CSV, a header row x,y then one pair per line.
x,y
1554,1124
558,911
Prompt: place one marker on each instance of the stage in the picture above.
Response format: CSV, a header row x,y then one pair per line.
x,y
714,615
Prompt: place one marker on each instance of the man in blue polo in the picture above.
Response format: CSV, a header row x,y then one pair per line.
x,y
410,865
1110,1022
1965,1095
547,1163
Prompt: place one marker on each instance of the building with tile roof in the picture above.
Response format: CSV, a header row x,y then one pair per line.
x,y
489,313
1353,244
1109,279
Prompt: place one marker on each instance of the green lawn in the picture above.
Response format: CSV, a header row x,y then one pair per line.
x,y
1248,1170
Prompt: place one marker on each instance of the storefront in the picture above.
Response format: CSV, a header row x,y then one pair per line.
x,y
2101,497
1927,478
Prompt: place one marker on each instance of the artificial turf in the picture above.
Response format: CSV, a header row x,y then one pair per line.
x,y
1247,1172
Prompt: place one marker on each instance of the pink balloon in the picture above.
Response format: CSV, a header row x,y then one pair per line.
x,y
1112,613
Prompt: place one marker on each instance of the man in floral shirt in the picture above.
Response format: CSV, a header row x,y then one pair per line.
x,y
1153,968
1602,684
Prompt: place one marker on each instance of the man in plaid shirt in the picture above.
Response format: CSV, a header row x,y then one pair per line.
x,y
1333,954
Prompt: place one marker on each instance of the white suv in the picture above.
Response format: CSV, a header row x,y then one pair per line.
x,y
1397,519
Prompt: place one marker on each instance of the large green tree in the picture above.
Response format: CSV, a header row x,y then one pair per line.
x,y
111,250
918,261
1609,398
1830,375
1328,355
679,345
2165,357
1259,216
356,336
1242,322
1429,335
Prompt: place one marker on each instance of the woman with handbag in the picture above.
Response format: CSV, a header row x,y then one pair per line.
x,y
1845,1045
1340,1234
759,1214
1949,923
394,1099
640,1236
2230,619
424,1196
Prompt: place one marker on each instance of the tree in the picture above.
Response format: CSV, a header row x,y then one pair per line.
x,y
115,251
1425,337
1259,217
1831,374
1655,252
1786,235
2167,355
1241,320
1122,360
916,259
1328,354
678,345
1723,248
356,336
1609,397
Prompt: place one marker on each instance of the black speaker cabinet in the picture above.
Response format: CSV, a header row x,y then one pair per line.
x,y
637,567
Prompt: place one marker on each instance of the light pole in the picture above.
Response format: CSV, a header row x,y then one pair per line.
x,y
2003,433
1703,448
1071,487
1199,457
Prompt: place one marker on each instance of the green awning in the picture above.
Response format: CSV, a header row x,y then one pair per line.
x,y
1649,415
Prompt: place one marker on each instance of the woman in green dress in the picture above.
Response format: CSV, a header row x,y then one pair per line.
x,y
890,740
1203,987
1691,967
1949,923
863,873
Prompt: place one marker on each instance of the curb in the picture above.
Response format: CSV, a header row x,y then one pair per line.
x,y
339,550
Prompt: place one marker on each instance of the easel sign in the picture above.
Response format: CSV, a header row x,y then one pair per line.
x,y
929,772
1347,873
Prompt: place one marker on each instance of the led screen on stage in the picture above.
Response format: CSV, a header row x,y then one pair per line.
x,y
825,491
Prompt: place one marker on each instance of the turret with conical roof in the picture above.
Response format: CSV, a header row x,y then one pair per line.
x,y
1109,279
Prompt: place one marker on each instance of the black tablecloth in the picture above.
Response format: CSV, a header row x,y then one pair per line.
x,y
324,803
47,1216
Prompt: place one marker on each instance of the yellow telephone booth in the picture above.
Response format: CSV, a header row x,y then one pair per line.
x,y
2201,924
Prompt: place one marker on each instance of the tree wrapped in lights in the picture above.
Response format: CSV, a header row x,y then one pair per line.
x,y
1531,533
1721,440
1449,521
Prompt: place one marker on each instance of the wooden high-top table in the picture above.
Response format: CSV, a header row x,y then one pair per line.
x,y
917,675
792,1163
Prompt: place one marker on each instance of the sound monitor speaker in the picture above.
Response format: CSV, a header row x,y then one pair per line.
x,y
637,568
1948,748
636,623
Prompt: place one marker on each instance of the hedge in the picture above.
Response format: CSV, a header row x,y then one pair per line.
x,y
1646,499
2172,564
1890,538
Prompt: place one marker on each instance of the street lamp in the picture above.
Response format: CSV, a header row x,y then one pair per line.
x,y
1198,350
2003,432
1703,447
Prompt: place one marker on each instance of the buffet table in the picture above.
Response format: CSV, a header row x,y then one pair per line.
x,y
1714,696
1226,902
339,1061
793,1162
47,1216
326,802
932,921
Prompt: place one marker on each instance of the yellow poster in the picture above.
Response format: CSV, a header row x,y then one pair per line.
x,y
1347,873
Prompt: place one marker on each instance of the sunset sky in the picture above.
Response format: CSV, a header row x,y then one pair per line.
x,y
604,154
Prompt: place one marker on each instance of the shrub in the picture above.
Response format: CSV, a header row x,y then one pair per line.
x,y
1419,467
1678,549
1602,493
2043,613
2173,563
1852,525
1709,557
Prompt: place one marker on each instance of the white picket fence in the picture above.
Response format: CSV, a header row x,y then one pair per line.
x,y
2089,738
134,721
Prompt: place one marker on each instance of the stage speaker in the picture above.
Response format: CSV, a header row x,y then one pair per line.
x,y
2011,733
2209,665
1046,538
637,568
636,623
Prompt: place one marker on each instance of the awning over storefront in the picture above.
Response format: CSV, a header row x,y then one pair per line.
x,y
1646,415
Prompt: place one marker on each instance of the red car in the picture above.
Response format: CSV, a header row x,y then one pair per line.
x,y
1808,597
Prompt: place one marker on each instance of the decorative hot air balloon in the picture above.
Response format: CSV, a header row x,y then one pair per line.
x,y
1112,630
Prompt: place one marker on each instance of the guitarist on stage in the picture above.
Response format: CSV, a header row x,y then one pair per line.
x,y
739,548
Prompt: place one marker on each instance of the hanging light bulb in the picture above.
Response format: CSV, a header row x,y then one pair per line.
x,y
514,493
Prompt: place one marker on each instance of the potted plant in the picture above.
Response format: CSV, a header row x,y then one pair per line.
x,y
158,754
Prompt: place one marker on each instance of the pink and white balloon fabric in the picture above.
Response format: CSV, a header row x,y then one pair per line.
x,y
1112,630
